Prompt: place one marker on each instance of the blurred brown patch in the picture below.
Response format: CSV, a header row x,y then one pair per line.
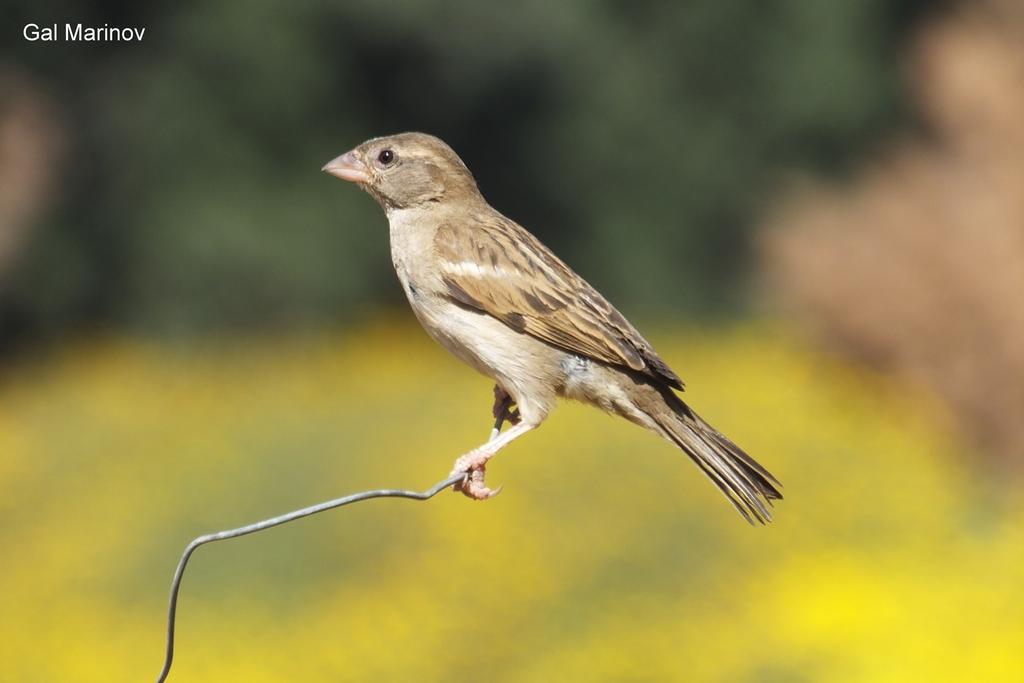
x,y
30,140
918,267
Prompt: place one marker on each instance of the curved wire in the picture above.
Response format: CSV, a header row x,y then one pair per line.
x,y
172,607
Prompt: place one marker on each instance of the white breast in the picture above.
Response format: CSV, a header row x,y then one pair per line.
x,y
412,247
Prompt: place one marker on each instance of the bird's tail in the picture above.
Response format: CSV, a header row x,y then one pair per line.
x,y
747,485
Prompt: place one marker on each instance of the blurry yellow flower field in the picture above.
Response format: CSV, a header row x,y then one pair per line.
x,y
607,558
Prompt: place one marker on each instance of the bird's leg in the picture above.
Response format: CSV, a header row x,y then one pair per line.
x,y
502,410
473,485
473,464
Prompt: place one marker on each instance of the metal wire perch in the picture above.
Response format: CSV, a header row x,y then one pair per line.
x,y
172,606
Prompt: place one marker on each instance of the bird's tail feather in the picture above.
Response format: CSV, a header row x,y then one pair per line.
x,y
747,485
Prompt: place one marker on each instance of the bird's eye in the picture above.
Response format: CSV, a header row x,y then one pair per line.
x,y
386,156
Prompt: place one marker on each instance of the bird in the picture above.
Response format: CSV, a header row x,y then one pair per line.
x,y
498,299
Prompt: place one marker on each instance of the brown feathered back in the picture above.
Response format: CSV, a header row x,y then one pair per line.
x,y
494,265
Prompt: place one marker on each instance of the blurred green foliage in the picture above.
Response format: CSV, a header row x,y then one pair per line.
x,y
636,138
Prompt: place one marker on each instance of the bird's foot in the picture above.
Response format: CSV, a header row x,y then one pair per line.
x,y
473,465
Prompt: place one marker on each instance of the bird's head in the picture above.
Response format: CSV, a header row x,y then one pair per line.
x,y
405,170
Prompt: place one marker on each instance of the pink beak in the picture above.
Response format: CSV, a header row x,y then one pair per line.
x,y
348,167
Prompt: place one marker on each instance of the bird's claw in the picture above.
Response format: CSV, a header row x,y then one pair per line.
x,y
472,484
477,491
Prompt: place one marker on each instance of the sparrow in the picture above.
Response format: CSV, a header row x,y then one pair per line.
x,y
499,300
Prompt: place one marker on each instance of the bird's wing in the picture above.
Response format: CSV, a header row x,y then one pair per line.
x,y
495,266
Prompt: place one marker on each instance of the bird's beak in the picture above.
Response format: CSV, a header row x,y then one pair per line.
x,y
348,167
